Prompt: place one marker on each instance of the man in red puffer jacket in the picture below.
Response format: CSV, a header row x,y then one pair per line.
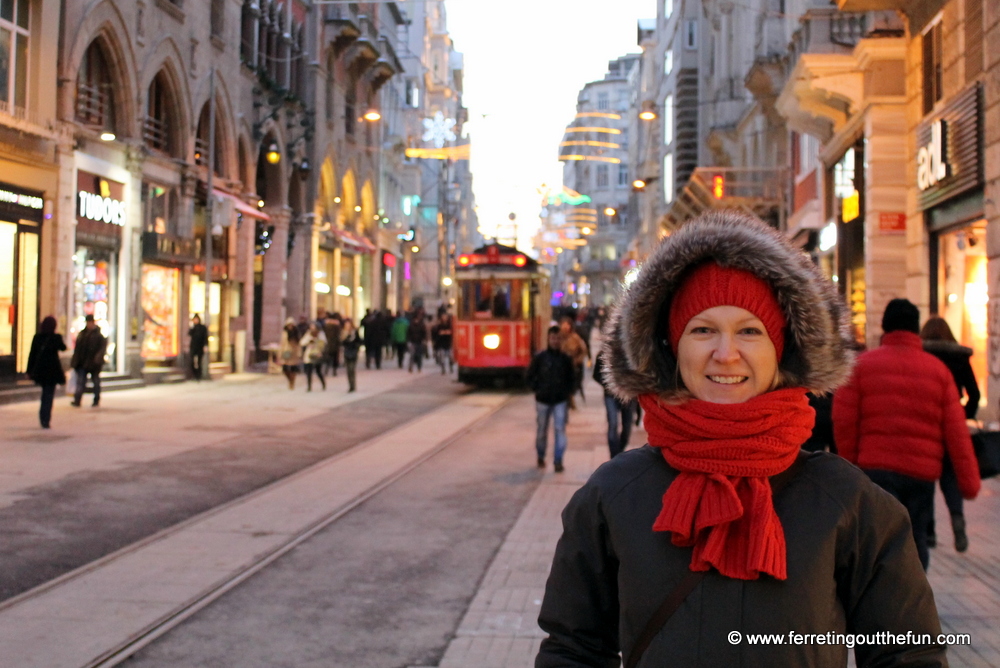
x,y
898,417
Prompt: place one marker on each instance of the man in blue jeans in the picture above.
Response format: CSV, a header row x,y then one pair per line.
x,y
617,440
553,379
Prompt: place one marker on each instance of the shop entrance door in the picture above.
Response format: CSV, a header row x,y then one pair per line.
x,y
18,296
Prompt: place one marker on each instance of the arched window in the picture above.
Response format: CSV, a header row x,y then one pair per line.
x,y
331,63
157,131
94,93
248,32
218,17
201,142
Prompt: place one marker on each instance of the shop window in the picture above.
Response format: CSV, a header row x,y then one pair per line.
x,y
95,282
94,93
156,130
14,17
160,291
932,66
963,291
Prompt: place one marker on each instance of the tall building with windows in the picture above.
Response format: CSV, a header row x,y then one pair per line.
x,y
32,147
595,153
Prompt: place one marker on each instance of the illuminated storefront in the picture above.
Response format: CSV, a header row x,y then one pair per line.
x,y
847,209
950,195
160,300
20,227
100,219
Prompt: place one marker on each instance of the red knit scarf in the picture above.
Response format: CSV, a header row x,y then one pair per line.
x,y
720,502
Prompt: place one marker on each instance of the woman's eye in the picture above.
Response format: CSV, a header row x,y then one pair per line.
x,y
701,330
752,331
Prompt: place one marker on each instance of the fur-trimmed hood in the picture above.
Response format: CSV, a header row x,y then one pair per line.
x,y
819,352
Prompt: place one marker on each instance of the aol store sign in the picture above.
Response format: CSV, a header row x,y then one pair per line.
x,y
100,210
949,157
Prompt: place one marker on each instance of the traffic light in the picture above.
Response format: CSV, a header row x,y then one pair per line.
x,y
718,186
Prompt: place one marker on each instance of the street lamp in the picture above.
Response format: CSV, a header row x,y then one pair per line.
x,y
638,184
372,115
609,212
648,112
273,155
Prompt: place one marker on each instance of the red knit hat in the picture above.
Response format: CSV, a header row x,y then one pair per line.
x,y
711,285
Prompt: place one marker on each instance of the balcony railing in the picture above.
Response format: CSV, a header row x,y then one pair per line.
x,y
154,132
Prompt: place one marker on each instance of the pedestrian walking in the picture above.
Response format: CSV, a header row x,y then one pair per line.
x,y
199,341
373,347
400,328
416,336
939,341
351,343
900,415
313,352
574,346
88,360
552,377
290,351
331,329
442,335
725,329
44,366
618,412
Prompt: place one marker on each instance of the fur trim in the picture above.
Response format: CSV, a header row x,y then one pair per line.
x,y
819,348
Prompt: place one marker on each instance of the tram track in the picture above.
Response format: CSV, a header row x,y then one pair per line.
x,y
482,407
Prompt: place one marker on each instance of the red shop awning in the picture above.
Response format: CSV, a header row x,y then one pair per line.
x,y
354,242
241,206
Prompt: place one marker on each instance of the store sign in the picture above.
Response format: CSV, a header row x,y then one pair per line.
x,y
21,199
102,209
892,222
932,163
850,207
949,157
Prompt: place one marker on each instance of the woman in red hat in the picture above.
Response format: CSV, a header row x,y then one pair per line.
x,y
721,529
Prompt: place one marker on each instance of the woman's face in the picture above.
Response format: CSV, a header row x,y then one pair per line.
x,y
725,356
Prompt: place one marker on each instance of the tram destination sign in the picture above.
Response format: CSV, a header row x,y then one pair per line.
x,y
949,156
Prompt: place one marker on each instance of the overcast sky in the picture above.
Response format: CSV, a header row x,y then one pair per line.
x,y
525,62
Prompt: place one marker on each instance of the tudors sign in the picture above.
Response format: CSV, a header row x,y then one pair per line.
x,y
949,155
100,210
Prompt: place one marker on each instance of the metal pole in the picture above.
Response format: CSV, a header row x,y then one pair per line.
x,y
209,201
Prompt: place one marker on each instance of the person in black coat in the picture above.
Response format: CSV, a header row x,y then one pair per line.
x,y
44,366
199,341
88,359
616,410
552,376
940,342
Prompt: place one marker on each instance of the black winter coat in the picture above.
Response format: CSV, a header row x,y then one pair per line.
x,y
88,354
199,338
956,357
852,568
44,366
552,376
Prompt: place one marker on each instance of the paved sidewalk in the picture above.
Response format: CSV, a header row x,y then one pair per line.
x,y
500,629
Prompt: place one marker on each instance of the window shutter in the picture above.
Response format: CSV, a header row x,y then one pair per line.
x,y
973,39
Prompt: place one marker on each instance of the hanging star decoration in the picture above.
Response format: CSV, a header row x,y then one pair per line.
x,y
439,130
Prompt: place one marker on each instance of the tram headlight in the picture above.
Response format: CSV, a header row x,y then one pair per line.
x,y
491,341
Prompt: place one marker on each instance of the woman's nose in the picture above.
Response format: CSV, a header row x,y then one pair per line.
x,y
726,350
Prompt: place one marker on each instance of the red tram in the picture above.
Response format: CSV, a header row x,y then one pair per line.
x,y
503,312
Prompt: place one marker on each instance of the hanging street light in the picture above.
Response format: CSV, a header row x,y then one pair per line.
x,y
273,156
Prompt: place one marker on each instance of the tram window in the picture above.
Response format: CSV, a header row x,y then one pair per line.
x,y
492,299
